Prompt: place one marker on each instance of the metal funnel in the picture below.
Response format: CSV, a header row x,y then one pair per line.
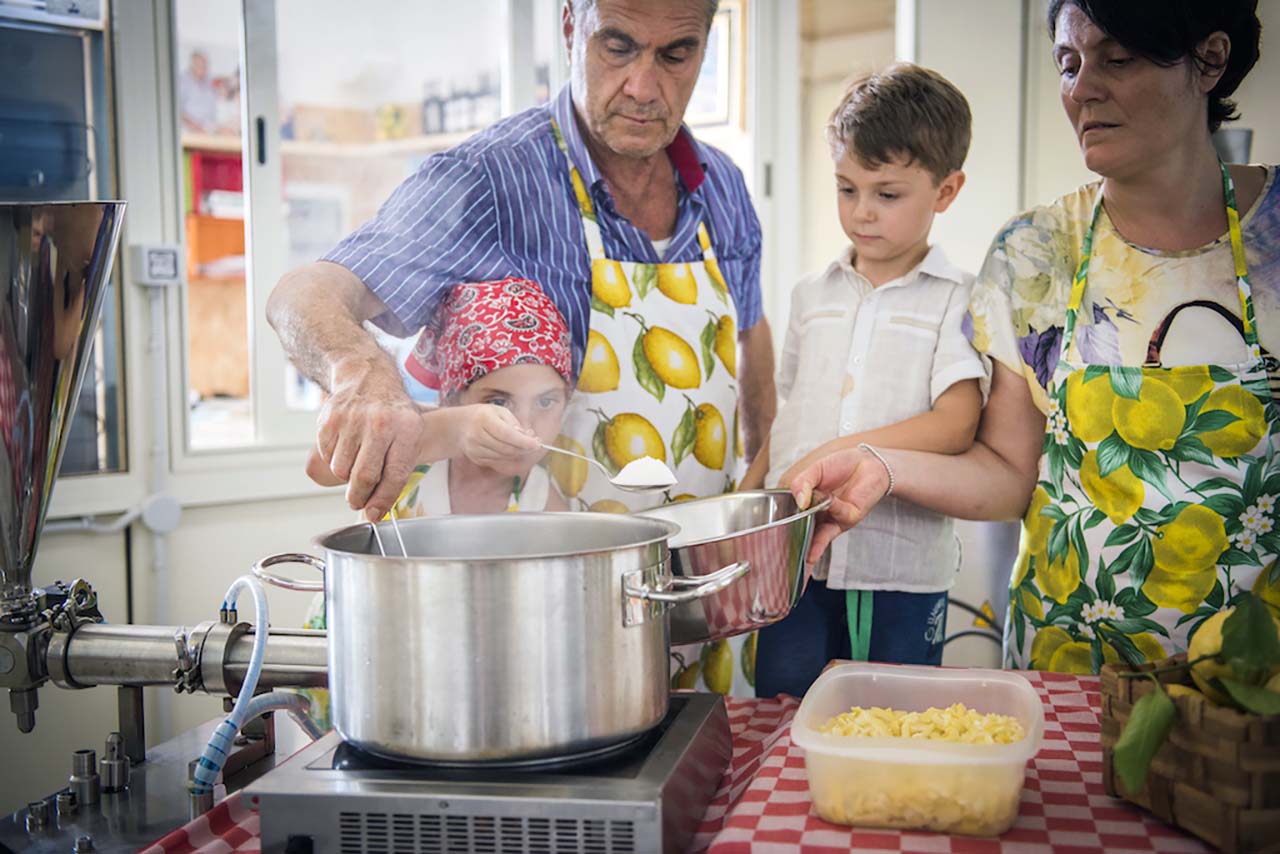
x,y
55,260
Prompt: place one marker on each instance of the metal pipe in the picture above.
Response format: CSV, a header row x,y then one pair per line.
x,y
101,654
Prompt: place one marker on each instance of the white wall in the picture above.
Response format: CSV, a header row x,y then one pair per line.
x,y
830,64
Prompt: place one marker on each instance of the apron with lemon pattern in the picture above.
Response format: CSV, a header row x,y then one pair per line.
x,y
1156,503
658,379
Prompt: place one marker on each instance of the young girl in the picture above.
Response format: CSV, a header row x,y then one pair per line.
x,y
499,354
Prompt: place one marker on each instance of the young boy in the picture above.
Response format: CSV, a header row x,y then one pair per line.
x,y
875,355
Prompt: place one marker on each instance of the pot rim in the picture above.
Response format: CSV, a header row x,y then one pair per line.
x,y
811,510
673,528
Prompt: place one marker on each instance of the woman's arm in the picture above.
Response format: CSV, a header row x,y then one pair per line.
x,y
947,428
993,480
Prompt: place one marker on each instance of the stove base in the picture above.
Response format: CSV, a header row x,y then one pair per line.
x,y
650,800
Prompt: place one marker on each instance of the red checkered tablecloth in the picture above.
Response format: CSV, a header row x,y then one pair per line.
x,y
763,803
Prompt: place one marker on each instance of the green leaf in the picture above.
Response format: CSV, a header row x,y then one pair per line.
x,y
708,346
1147,466
1074,452
1054,512
600,448
1138,625
1121,535
1095,519
1215,483
1106,583
1096,658
1095,371
1216,595
600,305
1134,602
1249,642
1113,453
1227,506
1220,374
1270,542
1142,563
1147,728
1236,557
1253,481
1192,410
1055,464
1191,450
1273,578
1121,644
1082,549
1126,381
686,432
644,277
645,374
1252,698
1058,539
1214,419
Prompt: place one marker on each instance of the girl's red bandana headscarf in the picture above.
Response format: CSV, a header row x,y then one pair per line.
x,y
485,326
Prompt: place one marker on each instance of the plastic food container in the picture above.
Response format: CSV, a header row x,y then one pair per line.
x,y
923,784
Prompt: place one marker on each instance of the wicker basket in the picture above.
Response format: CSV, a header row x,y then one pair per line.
x,y
1217,776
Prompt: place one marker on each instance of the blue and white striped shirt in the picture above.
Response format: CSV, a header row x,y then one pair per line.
x,y
501,204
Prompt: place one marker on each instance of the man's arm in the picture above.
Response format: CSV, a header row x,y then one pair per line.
x,y
758,402
370,433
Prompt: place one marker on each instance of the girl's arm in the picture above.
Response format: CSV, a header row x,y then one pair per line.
x,y
754,478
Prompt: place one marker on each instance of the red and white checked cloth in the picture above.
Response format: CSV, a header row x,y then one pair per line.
x,y
763,802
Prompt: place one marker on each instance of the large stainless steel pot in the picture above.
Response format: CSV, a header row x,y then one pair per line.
x,y
507,637
764,528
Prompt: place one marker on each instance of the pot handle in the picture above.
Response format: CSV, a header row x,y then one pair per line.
x,y
260,570
681,589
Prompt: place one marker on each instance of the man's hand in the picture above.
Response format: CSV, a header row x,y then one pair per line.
x,y
855,480
370,436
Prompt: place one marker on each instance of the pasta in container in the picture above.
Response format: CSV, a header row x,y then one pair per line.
x,y
918,747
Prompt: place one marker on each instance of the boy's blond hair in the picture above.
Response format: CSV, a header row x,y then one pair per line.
x,y
904,110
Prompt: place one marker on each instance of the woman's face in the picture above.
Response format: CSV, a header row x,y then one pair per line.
x,y
1126,110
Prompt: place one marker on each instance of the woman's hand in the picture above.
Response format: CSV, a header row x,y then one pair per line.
x,y
489,435
854,479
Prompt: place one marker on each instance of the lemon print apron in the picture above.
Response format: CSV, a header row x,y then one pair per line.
x,y
658,377
1156,503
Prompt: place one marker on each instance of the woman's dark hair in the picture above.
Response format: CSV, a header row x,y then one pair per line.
x,y
1168,31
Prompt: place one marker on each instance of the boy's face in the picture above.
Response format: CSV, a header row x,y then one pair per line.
x,y
887,210
535,394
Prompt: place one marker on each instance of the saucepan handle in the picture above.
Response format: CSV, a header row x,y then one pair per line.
x,y
260,570
680,590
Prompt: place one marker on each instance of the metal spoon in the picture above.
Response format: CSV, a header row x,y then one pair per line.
x,y
613,479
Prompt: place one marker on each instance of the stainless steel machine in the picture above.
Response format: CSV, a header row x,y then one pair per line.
x,y
643,792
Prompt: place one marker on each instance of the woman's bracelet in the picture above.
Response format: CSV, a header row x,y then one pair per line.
x,y
888,469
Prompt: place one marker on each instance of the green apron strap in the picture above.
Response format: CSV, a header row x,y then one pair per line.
x,y
857,608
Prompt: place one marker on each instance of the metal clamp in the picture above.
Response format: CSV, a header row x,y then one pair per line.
x,y
260,570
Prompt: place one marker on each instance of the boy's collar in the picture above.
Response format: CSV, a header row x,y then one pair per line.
x,y
935,264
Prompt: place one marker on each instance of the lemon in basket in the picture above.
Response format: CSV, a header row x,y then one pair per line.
x,y
1208,641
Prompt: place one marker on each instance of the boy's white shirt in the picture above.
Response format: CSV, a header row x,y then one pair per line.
x,y
858,357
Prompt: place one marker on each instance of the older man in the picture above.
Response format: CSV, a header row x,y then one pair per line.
x,y
644,238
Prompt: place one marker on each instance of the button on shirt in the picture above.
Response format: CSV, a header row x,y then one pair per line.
x,y
856,358
501,204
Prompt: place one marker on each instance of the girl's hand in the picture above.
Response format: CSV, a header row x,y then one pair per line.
x,y
855,480
489,435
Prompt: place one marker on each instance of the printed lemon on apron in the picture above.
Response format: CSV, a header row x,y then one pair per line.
x,y
658,379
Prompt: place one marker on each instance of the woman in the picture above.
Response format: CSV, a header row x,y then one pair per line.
x,y
1131,324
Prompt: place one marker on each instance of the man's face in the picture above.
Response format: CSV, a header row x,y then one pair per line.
x,y
199,66
634,64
